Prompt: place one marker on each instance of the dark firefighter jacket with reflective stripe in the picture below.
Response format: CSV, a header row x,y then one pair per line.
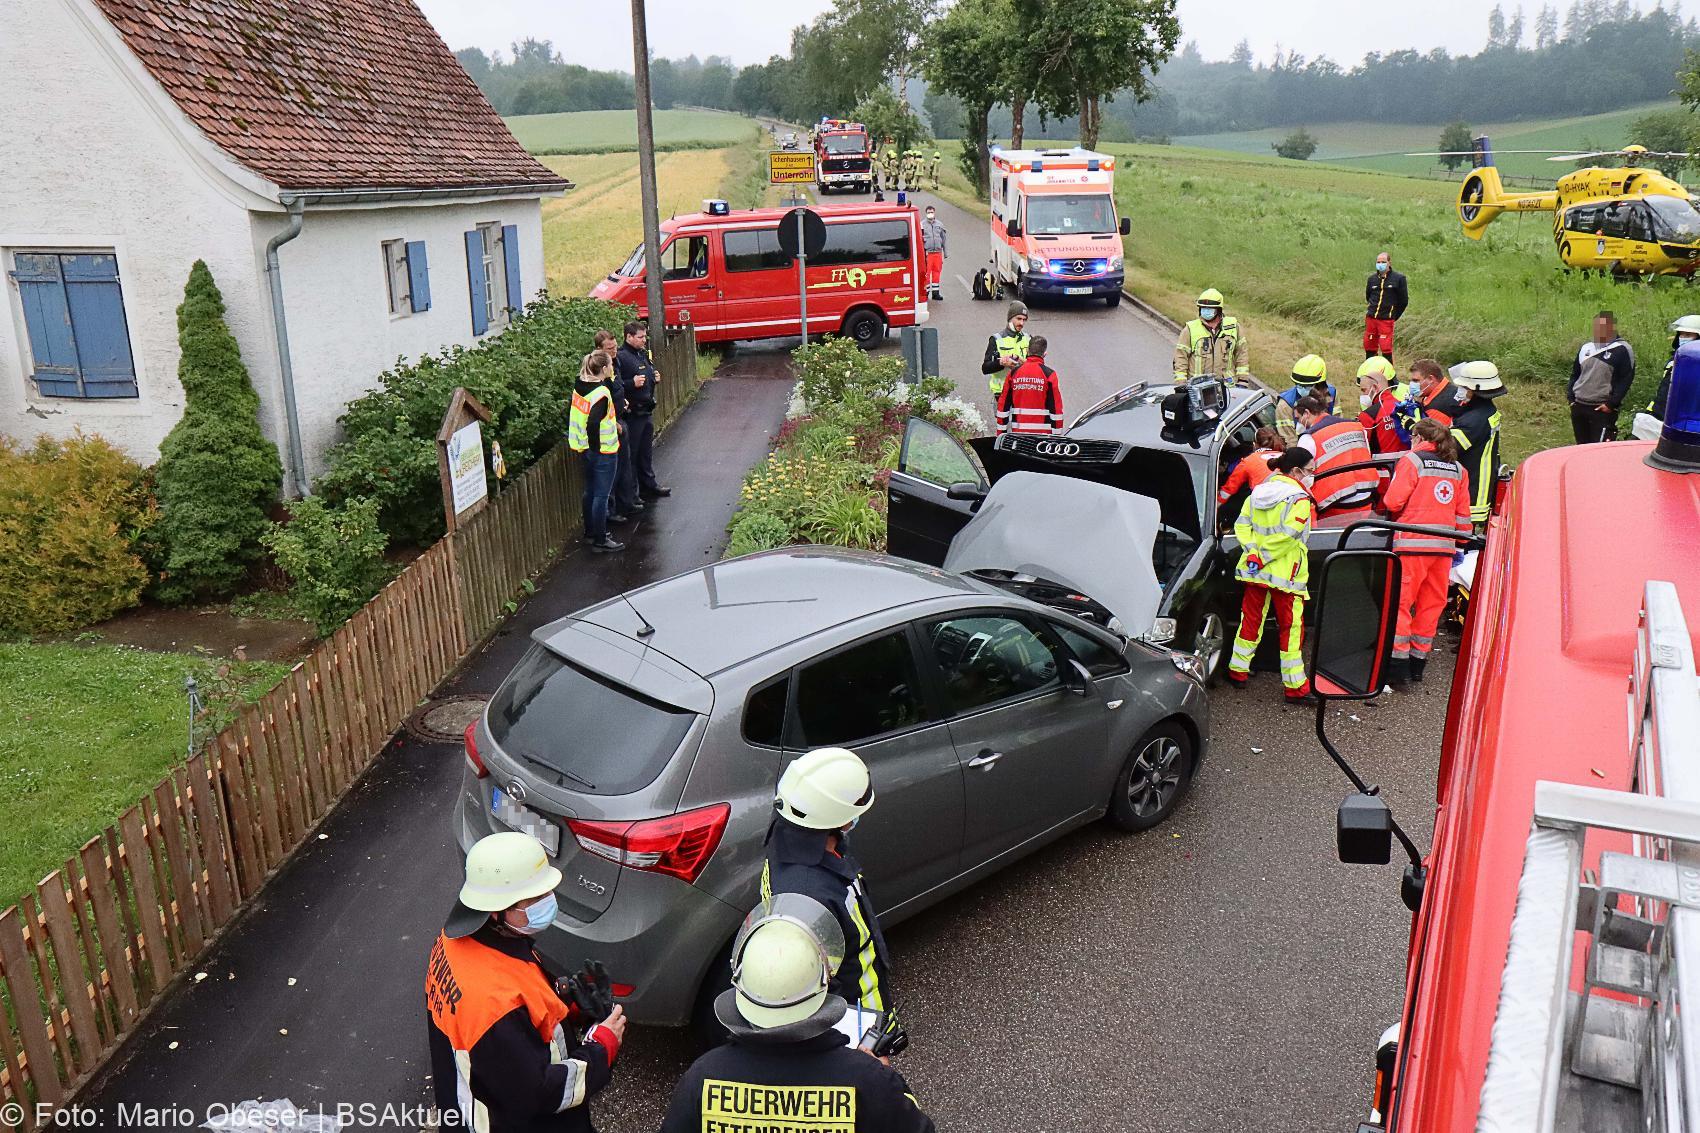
x,y
1385,296
814,1085
1476,429
799,862
502,1056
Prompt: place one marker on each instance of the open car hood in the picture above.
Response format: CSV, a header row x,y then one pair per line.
x,y
1089,537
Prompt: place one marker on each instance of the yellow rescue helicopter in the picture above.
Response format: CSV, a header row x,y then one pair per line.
x,y
1625,220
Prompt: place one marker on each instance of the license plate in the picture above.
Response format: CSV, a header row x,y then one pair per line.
x,y
526,820
1077,291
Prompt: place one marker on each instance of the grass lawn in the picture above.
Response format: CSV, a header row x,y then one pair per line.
x,y
1347,142
588,131
594,227
85,732
1290,244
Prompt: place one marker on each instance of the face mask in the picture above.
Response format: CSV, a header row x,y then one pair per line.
x,y
1383,267
1363,401
853,824
1208,313
540,915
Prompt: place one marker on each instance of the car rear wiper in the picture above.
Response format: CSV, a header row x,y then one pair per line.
x,y
535,761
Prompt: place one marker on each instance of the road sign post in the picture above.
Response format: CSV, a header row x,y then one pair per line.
x,y
802,233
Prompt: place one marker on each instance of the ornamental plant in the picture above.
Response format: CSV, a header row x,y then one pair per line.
x,y
334,556
218,476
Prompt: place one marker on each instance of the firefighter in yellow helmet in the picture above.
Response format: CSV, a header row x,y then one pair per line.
x,y
1211,343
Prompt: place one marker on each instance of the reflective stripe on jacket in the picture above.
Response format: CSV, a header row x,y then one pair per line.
x,y
1272,531
996,348
1201,351
1031,400
578,421
1336,442
1476,429
798,861
1429,492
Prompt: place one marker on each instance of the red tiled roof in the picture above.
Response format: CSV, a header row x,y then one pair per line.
x,y
327,94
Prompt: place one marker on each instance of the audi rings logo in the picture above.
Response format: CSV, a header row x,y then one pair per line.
x,y
1057,448
1079,267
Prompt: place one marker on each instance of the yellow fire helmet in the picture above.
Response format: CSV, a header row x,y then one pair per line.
x,y
1376,367
1310,370
1210,297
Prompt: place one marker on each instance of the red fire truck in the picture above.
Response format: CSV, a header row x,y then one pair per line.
x,y
1578,596
724,272
843,157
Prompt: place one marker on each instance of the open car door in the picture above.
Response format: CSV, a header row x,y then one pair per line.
x,y
935,491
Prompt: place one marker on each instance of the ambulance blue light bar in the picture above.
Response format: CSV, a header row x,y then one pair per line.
x,y
1678,449
1038,166
1091,165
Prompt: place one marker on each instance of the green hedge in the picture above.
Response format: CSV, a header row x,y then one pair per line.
x,y
388,453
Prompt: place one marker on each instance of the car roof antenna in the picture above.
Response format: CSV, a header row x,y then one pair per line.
x,y
647,630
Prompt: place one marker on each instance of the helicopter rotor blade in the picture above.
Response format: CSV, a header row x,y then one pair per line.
x,y
1637,155
1462,153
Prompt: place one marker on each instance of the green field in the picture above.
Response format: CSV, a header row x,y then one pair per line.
x,y
1290,244
1348,143
605,131
93,729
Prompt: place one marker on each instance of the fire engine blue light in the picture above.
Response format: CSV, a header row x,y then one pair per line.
x,y
1038,166
1092,165
1682,412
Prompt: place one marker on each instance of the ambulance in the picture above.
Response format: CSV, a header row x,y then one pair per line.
x,y
1054,226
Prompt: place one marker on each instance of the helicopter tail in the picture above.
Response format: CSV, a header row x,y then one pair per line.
x,y
1481,197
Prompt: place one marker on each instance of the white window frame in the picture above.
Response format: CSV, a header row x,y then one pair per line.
x,y
496,299
398,278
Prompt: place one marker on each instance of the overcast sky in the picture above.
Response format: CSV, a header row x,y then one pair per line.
x,y
598,32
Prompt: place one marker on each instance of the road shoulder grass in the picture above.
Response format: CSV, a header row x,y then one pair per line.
x,y
86,731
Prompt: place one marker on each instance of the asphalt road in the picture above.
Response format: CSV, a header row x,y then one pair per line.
x,y
1222,971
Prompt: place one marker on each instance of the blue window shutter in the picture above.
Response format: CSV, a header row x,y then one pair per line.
x,y
47,319
475,280
418,278
510,257
97,313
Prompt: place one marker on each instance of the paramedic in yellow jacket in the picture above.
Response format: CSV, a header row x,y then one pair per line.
x,y
1211,343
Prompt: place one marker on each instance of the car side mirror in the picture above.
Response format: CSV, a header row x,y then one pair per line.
x,y
964,490
1354,624
1013,227
1126,228
1077,678
1363,831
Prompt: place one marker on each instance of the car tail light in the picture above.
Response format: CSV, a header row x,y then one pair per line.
x,y
472,759
678,845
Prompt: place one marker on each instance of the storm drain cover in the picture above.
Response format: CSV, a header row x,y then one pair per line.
x,y
444,721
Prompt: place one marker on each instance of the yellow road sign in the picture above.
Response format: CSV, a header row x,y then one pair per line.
x,y
785,167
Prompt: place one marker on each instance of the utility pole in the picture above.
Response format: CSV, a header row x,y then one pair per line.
x,y
646,170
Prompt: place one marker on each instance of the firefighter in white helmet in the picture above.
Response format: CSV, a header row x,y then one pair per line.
x,y
783,1044
821,797
506,1056
1685,329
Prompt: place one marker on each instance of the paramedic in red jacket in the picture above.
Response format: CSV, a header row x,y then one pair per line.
x,y
1031,401
1380,405
1429,488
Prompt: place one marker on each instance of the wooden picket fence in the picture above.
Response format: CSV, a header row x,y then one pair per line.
x,y
102,938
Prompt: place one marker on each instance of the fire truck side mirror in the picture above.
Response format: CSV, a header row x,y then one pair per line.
x,y
1363,832
1126,228
1354,624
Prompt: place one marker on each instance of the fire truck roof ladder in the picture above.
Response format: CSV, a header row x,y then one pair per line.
x,y
1623,1053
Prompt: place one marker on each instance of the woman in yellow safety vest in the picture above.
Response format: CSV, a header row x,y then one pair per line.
x,y
593,431
1275,567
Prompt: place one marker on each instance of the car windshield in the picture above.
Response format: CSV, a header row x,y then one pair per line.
x,y
1675,220
844,143
597,736
633,265
1070,214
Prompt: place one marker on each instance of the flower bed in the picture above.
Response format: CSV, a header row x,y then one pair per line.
x,y
825,480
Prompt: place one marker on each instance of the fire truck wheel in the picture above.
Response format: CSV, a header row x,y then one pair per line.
x,y
864,328
1155,778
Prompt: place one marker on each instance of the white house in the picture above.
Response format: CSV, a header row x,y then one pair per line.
x,y
338,139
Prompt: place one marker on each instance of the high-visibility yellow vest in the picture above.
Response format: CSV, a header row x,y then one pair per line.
x,y
1008,344
578,422
1272,542
1198,338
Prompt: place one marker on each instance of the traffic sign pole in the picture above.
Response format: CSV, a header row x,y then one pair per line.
x,y
802,276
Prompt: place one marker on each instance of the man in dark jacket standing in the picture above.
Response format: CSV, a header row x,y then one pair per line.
x,y
785,1068
505,1051
1385,298
638,379
1599,381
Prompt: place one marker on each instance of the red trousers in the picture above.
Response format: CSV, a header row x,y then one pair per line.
x,y
1378,336
935,268
1289,622
1422,597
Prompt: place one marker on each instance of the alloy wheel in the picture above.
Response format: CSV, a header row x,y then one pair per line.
x,y
1156,777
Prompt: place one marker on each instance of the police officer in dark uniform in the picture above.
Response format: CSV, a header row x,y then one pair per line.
x,y
638,381
786,1067
821,797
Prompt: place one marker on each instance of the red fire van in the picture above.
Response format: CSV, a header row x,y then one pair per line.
x,y
724,273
